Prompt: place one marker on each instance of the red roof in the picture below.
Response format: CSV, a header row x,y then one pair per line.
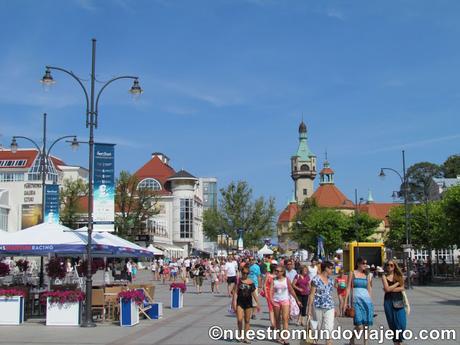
x,y
28,155
327,171
158,170
288,213
328,195
379,210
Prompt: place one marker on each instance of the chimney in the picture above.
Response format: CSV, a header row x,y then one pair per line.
x,y
161,156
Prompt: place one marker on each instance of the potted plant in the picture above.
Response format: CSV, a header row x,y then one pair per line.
x,y
23,266
56,269
11,306
62,307
177,295
129,307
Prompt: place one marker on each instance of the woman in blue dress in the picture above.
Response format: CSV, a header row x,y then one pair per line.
x,y
393,285
359,287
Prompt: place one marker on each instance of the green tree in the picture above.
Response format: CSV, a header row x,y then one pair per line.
x,y
71,193
328,223
451,208
419,178
451,167
238,210
134,205
427,227
360,227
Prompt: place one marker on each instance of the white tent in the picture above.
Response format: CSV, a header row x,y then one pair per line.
x,y
265,251
154,250
42,239
125,248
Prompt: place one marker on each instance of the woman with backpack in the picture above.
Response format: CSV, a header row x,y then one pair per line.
x,y
244,292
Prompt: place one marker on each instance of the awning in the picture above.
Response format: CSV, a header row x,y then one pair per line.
x,y
169,247
154,250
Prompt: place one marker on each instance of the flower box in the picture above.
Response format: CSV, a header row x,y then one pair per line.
x,y
177,298
156,311
129,312
11,310
63,314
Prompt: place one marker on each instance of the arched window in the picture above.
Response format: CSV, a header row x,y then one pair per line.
x,y
149,183
304,167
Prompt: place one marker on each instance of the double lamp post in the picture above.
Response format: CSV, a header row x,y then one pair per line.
x,y
92,111
44,155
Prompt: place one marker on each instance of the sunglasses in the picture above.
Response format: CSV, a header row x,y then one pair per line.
x,y
279,271
391,265
244,272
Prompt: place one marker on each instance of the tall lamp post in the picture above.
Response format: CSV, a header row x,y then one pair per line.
x,y
404,183
92,110
357,207
44,159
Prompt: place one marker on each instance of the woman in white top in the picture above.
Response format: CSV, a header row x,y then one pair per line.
x,y
280,289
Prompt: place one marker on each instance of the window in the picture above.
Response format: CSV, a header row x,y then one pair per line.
x,y
149,183
3,219
157,227
11,177
36,170
186,218
304,167
13,163
304,192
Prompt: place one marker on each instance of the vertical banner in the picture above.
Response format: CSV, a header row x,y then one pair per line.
x,y
240,239
51,204
104,187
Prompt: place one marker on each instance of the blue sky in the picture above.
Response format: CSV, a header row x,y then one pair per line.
x,y
227,81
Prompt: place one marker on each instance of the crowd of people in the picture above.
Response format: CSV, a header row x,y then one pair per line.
x,y
294,293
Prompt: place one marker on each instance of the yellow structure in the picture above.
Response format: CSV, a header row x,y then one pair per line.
x,y
372,252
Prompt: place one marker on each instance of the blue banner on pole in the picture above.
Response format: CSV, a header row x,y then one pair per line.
x,y
320,247
51,204
104,187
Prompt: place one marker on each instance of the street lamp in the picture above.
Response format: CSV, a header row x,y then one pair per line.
x,y
404,183
44,159
92,110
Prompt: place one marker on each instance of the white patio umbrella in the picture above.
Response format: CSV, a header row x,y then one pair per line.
x,y
154,250
265,251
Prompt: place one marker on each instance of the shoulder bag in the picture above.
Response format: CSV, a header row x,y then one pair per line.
x,y
350,310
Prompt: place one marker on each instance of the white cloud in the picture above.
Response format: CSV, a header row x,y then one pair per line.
x,y
419,143
335,13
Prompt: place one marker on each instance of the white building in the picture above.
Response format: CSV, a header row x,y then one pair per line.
x,y
21,186
178,227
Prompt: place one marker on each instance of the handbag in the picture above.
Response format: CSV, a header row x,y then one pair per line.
x,y
294,309
310,328
406,303
350,310
397,300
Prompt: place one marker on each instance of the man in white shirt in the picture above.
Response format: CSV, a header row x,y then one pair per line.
x,y
313,269
291,273
231,268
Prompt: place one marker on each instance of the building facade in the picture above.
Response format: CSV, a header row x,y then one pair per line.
x,y
178,226
327,195
21,185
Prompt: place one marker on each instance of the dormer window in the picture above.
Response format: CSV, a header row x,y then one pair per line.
x,y
149,183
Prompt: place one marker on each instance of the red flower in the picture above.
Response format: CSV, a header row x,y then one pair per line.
x,y
22,264
62,297
12,292
56,268
4,269
180,286
136,296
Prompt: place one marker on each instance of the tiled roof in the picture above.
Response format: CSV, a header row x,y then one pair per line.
x,y
156,169
288,213
328,195
27,154
379,210
327,171
183,174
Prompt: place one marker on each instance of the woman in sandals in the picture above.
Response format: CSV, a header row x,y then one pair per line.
x,y
393,285
244,291
280,289
321,298
360,287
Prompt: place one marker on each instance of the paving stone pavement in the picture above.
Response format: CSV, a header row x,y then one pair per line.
x,y
432,308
